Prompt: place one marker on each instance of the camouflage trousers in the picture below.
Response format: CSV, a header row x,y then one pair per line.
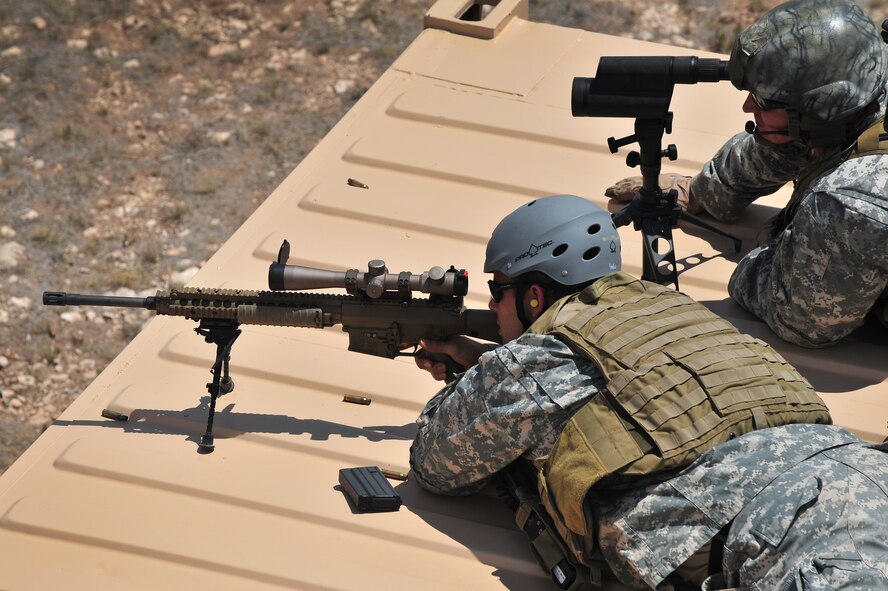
x,y
822,525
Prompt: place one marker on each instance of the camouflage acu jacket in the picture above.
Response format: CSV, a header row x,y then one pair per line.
x,y
815,280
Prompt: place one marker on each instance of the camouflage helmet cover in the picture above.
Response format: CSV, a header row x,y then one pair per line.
x,y
567,238
823,58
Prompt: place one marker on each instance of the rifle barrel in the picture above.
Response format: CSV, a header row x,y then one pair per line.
x,y
60,298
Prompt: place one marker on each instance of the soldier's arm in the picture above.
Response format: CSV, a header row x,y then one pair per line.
x,y
742,171
517,398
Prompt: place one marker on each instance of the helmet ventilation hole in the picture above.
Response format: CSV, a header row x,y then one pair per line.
x,y
594,229
591,253
559,250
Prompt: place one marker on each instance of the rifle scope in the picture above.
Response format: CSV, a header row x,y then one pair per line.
x,y
374,283
639,86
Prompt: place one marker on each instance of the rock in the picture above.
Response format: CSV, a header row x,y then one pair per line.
x,y
39,23
14,51
10,32
133,22
132,64
238,24
20,302
71,317
343,86
11,255
105,53
5,80
4,362
7,232
77,44
29,215
220,137
180,278
7,137
26,380
221,49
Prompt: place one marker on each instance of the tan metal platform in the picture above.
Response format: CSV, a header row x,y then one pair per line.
x,y
472,120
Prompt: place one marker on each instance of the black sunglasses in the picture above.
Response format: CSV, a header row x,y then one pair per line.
x,y
498,289
765,104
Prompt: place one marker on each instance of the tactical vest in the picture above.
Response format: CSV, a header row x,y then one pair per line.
x,y
680,380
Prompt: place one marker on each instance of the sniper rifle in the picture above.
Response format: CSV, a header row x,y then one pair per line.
x,y
379,313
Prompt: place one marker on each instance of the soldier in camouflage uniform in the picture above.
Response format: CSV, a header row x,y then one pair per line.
x,y
805,503
653,517
816,72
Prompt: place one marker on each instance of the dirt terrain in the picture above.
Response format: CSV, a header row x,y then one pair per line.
x,y
137,135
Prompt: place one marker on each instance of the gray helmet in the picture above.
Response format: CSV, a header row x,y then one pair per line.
x,y
823,60
565,237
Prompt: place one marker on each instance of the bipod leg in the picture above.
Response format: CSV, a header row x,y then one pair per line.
x,y
222,333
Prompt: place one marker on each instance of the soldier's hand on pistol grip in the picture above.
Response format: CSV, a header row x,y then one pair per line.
x,y
463,350
623,191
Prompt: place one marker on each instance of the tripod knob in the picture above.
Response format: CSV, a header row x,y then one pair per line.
x,y
614,144
633,159
671,152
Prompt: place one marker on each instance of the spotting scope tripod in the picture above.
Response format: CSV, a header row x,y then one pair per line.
x,y
641,87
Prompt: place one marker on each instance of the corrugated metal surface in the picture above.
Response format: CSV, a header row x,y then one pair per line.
x,y
457,133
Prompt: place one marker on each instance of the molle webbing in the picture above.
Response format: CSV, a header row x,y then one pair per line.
x,y
680,380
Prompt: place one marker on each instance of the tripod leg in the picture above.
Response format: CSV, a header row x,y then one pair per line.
x,y
657,267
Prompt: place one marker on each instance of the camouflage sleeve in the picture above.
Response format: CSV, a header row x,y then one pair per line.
x,y
743,170
514,402
815,282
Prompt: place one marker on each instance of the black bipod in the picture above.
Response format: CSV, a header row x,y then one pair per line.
x,y
653,212
222,333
